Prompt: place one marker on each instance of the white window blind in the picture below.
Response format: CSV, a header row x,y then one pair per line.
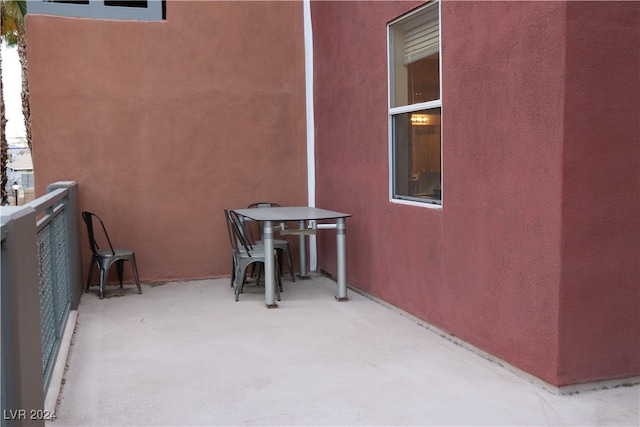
x,y
421,35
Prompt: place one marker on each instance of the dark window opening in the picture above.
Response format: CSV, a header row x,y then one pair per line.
x,y
71,1
126,3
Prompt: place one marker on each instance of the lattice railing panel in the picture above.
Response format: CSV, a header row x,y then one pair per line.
x,y
62,290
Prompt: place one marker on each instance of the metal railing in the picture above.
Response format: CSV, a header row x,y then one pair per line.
x,y
41,283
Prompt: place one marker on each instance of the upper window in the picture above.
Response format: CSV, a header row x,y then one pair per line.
x,y
415,106
136,10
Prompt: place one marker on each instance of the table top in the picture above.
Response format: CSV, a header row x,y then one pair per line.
x,y
290,213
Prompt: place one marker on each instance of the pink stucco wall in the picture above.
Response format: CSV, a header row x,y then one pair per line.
x,y
165,124
600,282
523,260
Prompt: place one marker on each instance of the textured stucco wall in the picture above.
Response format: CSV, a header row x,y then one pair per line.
x,y
503,143
165,124
599,324
488,267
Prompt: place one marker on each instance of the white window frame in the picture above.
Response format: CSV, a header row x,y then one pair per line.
x,y
411,108
98,10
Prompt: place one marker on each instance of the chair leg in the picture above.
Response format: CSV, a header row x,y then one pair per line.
x,y
241,273
120,268
103,280
233,271
278,270
279,260
239,281
278,279
91,267
259,268
278,287
293,274
135,273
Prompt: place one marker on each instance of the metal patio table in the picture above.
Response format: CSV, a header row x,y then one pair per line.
x,y
301,214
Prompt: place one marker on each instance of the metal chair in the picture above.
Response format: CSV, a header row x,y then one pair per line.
x,y
106,257
245,254
280,245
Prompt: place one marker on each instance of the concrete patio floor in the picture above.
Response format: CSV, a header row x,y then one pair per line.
x,y
185,353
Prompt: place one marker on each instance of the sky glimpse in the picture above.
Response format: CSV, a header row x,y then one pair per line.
x,y
12,85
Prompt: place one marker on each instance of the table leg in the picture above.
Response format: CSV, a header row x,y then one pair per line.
x,y
269,267
302,252
341,230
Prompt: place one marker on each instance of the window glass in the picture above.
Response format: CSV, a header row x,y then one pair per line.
x,y
417,173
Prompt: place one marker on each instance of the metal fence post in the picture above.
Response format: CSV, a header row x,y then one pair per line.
x,y
22,374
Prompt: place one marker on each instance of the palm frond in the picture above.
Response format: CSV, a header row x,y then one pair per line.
x,y
12,24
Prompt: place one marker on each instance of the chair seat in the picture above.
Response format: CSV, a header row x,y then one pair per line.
x,y
118,253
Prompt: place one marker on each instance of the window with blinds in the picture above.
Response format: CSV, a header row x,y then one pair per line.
x,y
415,107
414,44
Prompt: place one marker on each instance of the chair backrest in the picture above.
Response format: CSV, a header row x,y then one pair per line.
x,y
237,237
263,205
260,224
93,242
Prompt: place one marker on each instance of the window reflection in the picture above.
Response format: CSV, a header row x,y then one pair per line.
x,y
418,172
